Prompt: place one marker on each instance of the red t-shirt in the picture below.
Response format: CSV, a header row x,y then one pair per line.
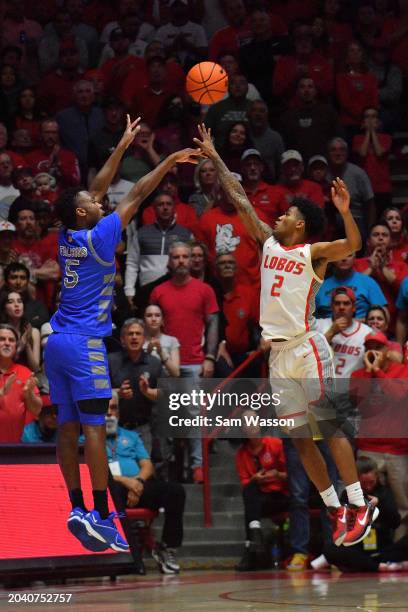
x,y
377,168
16,159
185,215
13,411
225,232
390,290
293,10
270,457
36,254
286,75
241,309
185,309
264,202
116,70
39,161
355,92
55,90
285,194
400,252
384,415
340,34
228,40
132,89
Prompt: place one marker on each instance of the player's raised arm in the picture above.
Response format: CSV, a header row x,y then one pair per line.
x,y
100,184
339,249
127,208
233,188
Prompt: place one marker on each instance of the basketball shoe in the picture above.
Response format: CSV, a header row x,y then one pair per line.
x,y
105,530
359,521
78,529
338,517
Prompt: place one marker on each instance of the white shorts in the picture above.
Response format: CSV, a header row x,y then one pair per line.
x,y
301,371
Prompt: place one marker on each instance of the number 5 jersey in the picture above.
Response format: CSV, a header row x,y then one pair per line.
x,y
87,262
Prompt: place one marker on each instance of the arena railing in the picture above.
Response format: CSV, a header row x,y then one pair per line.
x,y
209,437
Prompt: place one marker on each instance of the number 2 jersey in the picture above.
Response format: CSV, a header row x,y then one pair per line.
x,y
87,262
288,290
347,345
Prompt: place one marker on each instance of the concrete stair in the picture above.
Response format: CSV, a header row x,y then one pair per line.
x,y
223,542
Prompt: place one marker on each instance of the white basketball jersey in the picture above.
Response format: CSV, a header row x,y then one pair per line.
x,y
348,346
288,290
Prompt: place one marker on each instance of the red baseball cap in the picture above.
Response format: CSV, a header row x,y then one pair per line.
x,y
343,290
377,337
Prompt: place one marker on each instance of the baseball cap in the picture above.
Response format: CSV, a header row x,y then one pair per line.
x,y
6,226
316,158
249,152
291,154
377,337
343,290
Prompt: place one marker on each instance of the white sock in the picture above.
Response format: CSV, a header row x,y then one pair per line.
x,y
254,525
330,498
355,494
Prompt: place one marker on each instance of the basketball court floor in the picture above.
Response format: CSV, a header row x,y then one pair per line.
x,y
229,591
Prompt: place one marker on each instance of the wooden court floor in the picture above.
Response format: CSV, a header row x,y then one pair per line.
x,y
225,590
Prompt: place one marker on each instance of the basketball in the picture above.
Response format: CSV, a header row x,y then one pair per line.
x,y
207,82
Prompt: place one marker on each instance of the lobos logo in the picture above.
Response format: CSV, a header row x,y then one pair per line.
x,y
281,263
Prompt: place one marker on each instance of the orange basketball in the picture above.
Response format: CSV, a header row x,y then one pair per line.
x,y
207,82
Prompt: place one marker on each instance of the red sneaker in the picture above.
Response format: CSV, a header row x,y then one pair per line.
x,y
198,475
359,521
338,517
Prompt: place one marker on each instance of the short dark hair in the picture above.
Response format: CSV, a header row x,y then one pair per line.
x,y
65,207
380,223
313,215
365,465
19,204
15,266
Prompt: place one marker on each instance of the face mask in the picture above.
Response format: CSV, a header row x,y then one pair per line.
x,y
111,425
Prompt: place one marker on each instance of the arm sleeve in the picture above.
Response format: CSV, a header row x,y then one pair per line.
x,y
132,266
105,237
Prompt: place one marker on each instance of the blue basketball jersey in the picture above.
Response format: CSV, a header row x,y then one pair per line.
x,y
87,261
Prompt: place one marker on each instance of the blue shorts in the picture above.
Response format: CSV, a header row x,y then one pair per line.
x,y
77,369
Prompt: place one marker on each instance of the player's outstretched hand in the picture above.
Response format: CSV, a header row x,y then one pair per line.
x,y
132,129
340,196
206,144
188,156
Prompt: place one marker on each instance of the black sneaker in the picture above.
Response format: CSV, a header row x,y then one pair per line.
x,y
166,559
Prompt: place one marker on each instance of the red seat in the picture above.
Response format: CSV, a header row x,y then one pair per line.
x,y
144,518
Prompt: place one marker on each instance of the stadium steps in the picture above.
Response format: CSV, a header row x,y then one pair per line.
x,y
220,545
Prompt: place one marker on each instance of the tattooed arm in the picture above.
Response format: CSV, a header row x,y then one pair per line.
x,y
233,189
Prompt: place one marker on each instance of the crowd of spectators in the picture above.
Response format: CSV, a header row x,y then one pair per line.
x,y
317,89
